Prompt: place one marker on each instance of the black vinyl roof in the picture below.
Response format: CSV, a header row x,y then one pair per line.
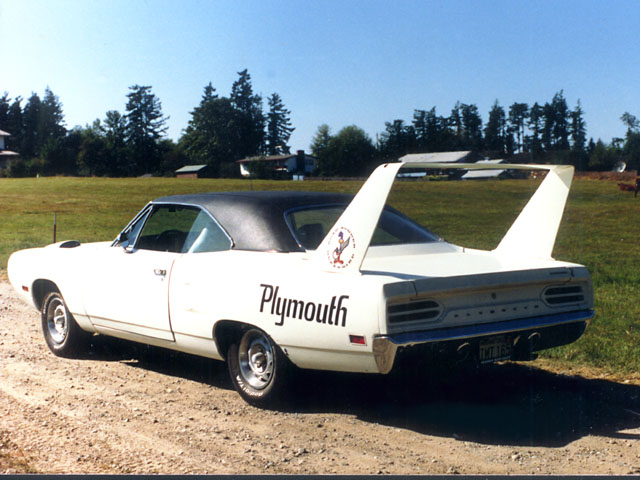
x,y
256,220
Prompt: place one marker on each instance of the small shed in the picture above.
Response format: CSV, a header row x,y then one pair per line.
x,y
191,171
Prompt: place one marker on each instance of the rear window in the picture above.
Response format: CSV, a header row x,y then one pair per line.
x,y
310,225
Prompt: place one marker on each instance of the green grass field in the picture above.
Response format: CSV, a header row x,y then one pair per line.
x,y
600,229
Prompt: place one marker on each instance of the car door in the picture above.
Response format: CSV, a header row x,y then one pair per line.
x,y
131,290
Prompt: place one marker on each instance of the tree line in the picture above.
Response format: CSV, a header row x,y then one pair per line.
x,y
223,129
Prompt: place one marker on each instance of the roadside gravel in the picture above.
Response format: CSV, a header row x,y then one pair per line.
x,y
125,408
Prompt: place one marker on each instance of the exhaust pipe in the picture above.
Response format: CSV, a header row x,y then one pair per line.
x,y
523,348
532,341
463,352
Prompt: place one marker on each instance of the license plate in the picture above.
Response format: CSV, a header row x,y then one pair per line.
x,y
494,350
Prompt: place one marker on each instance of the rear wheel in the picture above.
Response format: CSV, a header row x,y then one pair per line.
x,y
258,368
61,332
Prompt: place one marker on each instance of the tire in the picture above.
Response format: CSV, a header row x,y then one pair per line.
x,y
61,332
259,370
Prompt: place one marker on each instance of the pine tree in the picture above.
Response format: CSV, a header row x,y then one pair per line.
x,y
420,129
52,121
578,129
472,127
454,124
4,110
560,129
495,131
251,121
31,143
114,129
548,122
212,136
145,127
278,126
535,124
430,131
518,114
397,140
631,122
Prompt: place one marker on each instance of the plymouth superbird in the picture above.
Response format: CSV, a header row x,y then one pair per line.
x,y
267,281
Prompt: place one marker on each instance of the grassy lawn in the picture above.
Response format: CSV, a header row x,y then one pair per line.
x,y
600,229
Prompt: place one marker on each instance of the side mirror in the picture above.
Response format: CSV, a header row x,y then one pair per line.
x,y
122,238
123,241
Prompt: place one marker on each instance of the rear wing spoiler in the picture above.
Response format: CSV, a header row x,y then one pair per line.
x,y
532,234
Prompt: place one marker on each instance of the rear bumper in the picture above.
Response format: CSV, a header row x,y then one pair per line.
x,y
558,330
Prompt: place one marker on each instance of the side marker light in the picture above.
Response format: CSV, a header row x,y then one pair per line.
x,y
25,288
357,339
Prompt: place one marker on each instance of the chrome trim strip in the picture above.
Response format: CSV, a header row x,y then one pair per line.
x,y
459,333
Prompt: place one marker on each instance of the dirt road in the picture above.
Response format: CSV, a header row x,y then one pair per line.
x,y
125,408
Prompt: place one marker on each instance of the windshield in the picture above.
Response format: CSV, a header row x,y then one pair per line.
x,y
310,225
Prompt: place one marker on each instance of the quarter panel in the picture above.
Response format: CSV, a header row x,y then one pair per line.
x,y
282,294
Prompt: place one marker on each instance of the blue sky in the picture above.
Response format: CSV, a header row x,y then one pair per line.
x,y
335,62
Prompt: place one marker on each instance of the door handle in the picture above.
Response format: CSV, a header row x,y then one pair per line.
x,y
160,273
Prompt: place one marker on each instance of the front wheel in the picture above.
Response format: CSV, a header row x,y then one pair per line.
x,y
61,332
258,369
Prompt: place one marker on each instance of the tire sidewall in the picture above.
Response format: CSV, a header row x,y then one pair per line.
x,y
73,337
271,394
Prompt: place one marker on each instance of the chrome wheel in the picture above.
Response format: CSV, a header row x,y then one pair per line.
x,y
256,359
61,332
57,321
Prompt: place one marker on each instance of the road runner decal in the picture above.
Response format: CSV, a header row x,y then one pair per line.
x,y
342,247
333,313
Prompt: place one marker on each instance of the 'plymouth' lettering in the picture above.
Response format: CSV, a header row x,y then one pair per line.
x,y
333,313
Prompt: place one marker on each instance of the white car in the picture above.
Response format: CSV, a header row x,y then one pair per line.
x,y
268,280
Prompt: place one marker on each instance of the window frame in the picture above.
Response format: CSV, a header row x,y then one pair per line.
x,y
147,211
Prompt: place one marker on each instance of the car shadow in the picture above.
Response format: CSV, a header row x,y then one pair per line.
x,y
505,404
159,360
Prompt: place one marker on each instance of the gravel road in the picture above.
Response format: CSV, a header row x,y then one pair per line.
x,y
125,408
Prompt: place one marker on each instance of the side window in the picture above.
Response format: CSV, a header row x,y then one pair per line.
x,y
167,228
205,236
309,226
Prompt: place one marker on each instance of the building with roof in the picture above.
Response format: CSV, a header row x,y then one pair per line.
x,y
191,171
433,157
486,174
437,157
6,155
298,163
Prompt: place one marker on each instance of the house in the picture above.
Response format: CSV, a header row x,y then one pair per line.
x,y
298,163
191,171
5,155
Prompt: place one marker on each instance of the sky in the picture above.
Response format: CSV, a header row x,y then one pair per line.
x,y
339,62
